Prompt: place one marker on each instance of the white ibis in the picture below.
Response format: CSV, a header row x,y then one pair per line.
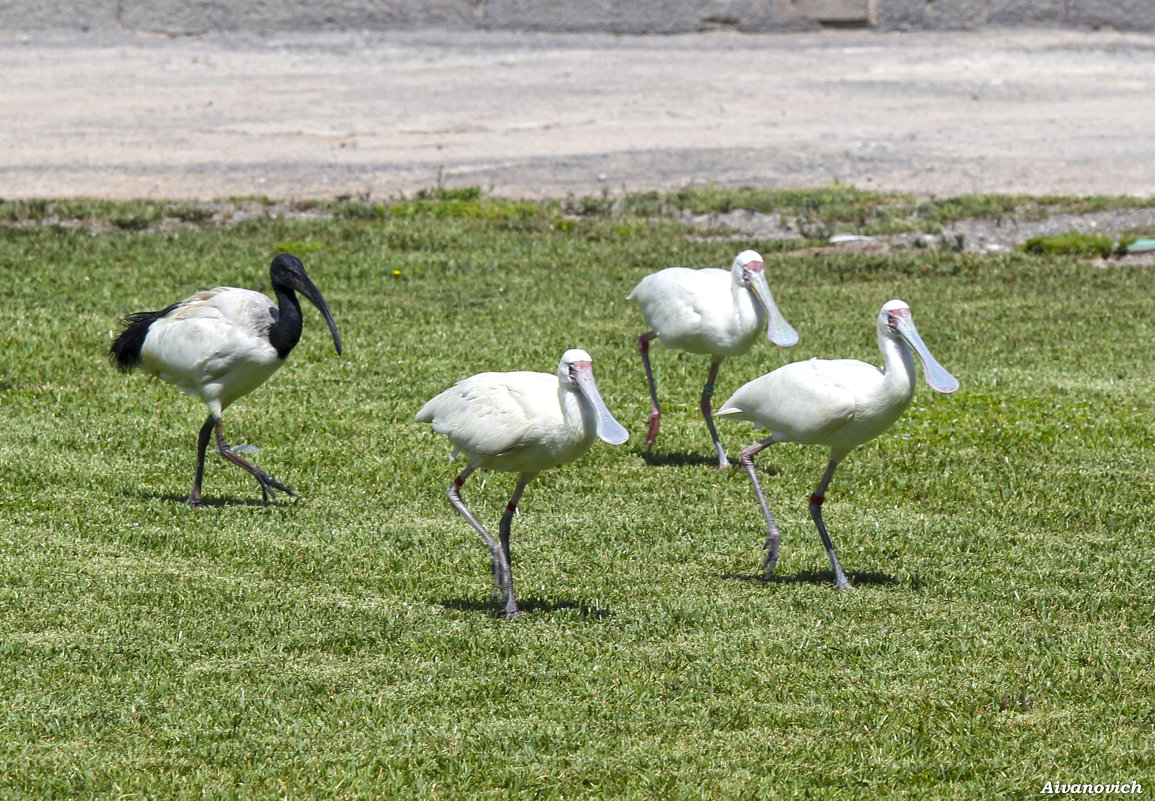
x,y
707,311
219,345
520,422
840,403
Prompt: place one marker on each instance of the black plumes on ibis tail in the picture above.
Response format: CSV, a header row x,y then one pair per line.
x,y
125,350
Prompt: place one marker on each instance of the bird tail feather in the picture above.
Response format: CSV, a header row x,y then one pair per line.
x,y
125,350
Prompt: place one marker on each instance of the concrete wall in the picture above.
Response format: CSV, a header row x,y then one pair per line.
x,y
616,16
1124,15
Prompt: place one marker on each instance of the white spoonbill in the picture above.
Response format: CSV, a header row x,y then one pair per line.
x,y
840,403
707,311
219,345
520,422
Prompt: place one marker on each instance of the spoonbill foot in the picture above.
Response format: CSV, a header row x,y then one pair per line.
x,y
496,580
707,412
771,560
772,534
502,578
655,417
816,501
654,421
498,551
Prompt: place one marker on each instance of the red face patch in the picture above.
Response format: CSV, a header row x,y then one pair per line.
x,y
755,266
894,315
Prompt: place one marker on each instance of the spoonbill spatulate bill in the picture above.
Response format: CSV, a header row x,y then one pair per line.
x,y
520,422
715,312
839,403
219,345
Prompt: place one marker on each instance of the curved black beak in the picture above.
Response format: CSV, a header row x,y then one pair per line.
x,y
287,271
303,284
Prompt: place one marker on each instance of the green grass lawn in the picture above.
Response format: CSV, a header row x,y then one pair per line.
x,y
346,645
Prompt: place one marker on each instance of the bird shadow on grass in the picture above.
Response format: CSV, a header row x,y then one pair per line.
x,y
677,459
816,577
695,459
215,502
529,606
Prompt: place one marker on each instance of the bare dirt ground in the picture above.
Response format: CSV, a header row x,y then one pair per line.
x,y
374,115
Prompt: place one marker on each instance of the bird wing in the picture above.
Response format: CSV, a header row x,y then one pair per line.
x,y
249,311
802,401
493,414
209,334
674,302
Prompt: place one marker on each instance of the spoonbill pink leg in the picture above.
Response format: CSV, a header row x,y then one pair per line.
x,y
502,574
655,419
707,393
772,537
267,482
839,403
507,518
840,580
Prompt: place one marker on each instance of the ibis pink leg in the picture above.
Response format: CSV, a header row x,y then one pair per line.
x,y
840,580
267,482
502,574
194,498
654,421
772,537
707,393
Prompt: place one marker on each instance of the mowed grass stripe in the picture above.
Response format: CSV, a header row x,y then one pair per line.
x,y
345,644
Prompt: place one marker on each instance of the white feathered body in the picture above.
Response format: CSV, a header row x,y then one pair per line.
x,y
519,422
700,311
840,403
214,345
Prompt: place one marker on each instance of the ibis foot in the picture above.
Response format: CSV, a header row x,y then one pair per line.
x,y
268,484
